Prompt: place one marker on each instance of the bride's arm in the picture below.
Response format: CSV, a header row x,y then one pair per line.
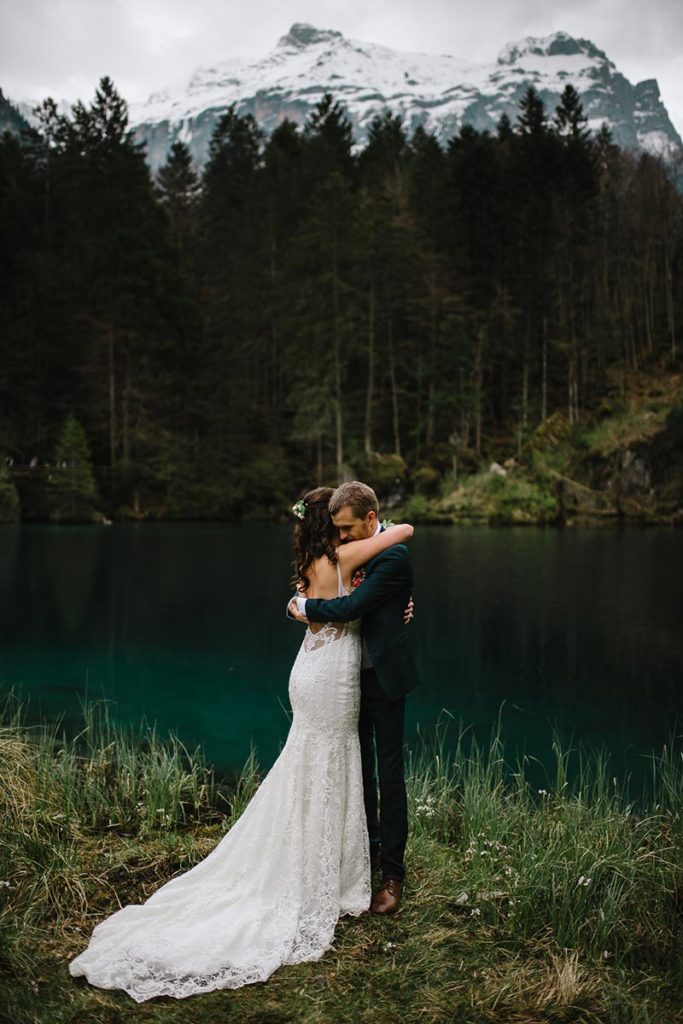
x,y
355,553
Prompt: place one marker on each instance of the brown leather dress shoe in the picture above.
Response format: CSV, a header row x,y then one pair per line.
x,y
387,897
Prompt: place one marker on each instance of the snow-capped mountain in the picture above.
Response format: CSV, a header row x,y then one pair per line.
x,y
437,91
440,92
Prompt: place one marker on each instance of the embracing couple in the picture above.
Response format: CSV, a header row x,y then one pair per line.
x,y
302,852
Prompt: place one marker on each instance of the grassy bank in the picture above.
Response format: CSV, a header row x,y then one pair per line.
x,y
622,463
562,904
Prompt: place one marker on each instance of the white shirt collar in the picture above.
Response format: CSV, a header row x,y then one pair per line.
x,y
377,528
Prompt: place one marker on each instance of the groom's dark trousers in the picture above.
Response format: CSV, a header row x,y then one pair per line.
x,y
380,602
380,727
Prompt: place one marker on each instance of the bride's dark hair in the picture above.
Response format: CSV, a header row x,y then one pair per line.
x,y
314,534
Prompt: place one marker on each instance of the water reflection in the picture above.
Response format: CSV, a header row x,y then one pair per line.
x,y
186,623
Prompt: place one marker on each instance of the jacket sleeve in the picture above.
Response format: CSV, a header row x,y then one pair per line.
x,y
391,573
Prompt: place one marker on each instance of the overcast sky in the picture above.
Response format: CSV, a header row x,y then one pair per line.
x,y
62,47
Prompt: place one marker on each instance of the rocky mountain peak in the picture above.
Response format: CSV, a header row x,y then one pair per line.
x,y
557,44
302,34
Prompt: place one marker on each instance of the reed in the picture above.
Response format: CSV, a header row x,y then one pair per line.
x,y
523,904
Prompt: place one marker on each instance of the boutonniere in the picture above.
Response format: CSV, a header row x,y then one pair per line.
x,y
358,577
388,523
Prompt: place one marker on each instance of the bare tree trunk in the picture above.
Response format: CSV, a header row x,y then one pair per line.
x,y
478,362
430,370
523,415
394,391
671,323
112,398
464,414
573,378
126,410
337,358
418,405
645,280
274,354
371,372
544,374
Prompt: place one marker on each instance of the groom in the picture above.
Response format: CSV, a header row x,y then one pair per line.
x,y
388,672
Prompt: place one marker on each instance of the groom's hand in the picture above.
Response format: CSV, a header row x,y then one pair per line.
x,y
408,613
295,613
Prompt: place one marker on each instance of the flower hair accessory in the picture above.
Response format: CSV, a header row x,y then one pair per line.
x,y
299,509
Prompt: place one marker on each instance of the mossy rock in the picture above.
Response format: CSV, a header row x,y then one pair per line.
x,y
553,432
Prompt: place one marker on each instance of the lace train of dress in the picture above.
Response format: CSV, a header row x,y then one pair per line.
x,y
272,890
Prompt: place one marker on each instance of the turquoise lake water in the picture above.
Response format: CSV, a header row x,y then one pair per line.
x,y
185,623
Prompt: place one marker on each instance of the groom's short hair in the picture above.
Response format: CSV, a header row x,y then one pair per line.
x,y
360,498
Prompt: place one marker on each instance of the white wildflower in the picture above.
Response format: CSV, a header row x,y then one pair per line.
x,y
475,912
583,880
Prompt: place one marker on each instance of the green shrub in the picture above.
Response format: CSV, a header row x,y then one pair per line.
x,y
524,501
384,472
9,499
416,508
427,481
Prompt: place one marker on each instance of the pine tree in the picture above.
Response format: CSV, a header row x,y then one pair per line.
x,y
329,137
323,261
504,127
232,351
532,120
71,484
569,116
177,185
386,147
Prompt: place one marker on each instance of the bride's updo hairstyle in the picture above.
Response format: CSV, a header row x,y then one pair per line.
x,y
313,534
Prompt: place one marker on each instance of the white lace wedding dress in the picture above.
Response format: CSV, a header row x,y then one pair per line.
x,y
272,890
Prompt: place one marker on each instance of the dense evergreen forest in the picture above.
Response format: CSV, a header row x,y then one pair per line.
x,y
213,343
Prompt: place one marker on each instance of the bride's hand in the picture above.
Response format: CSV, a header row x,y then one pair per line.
x,y
295,613
408,613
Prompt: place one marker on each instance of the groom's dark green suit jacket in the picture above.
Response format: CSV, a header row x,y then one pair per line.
x,y
379,601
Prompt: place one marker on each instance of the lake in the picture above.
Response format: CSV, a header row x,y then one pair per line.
x,y
186,623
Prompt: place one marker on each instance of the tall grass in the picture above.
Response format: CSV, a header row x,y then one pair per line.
x,y
576,861
523,903
106,776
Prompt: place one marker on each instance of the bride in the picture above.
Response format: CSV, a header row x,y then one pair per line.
x,y
272,890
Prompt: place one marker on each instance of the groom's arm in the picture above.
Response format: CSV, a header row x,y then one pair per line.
x,y
391,573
